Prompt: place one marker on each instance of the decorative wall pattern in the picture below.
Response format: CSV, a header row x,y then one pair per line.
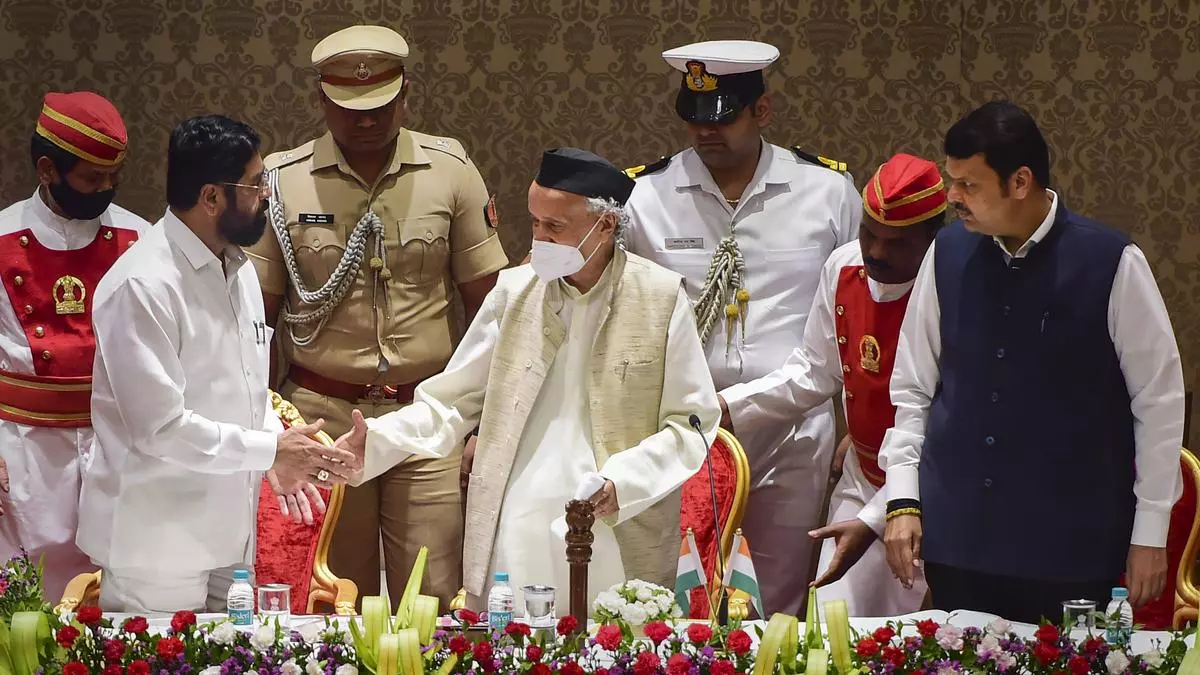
x,y
1115,85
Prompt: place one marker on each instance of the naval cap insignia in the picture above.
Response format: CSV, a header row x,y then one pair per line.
x,y
362,72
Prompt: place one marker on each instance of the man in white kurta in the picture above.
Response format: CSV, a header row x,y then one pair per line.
x,y
580,369
748,225
180,405
67,231
849,345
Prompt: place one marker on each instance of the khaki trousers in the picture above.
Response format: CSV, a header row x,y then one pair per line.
x,y
415,504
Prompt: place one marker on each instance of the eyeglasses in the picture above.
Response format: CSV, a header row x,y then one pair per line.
x,y
264,188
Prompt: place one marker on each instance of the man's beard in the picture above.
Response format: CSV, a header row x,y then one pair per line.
x,y
242,229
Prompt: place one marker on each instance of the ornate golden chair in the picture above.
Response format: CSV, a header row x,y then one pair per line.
x,y
286,552
1185,530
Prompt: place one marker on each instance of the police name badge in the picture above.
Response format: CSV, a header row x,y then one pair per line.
x,y
684,243
316,218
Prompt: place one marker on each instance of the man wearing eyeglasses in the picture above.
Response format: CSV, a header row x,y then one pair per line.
x,y
382,245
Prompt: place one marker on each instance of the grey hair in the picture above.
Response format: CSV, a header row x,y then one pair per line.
x,y
598,207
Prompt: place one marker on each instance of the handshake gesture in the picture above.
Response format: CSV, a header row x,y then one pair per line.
x,y
302,464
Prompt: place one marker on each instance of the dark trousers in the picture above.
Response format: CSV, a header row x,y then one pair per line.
x,y
1024,600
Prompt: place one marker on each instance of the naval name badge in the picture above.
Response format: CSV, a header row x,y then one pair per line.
x,y
868,352
684,243
316,218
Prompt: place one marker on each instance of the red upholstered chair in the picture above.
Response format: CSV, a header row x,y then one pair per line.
x,y
296,554
1177,603
731,474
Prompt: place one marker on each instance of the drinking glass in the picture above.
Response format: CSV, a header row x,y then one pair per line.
x,y
275,602
1079,614
539,605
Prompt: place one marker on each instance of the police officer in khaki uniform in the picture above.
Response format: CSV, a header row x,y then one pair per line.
x,y
382,242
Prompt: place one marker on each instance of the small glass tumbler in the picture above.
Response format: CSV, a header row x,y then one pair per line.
x,y
1079,615
275,602
539,605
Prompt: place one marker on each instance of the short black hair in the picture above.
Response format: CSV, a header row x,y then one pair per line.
x,y
1006,135
206,150
40,146
933,224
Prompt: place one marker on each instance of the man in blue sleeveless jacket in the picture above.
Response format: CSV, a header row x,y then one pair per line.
x,y
1039,395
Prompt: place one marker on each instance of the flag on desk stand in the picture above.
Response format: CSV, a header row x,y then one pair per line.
x,y
690,573
740,574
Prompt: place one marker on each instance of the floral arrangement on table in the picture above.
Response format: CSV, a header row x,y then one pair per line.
x,y
35,641
636,603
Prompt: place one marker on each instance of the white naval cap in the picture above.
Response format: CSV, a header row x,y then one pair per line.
x,y
720,77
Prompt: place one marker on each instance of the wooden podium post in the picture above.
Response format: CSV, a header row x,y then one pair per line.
x,y
580,519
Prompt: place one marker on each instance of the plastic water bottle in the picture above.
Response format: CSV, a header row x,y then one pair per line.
x,y
1120,618
240,600
500,603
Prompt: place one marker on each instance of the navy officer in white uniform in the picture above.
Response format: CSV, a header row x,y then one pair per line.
x,y
749,225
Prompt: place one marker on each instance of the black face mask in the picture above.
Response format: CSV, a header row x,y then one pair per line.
x,y
242,229
81,205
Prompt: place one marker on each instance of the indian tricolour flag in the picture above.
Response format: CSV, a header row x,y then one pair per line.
x,y
690,574
740,574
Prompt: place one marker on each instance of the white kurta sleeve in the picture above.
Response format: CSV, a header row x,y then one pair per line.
x,y
445,408
850,214
649,471
915,379
135,333
1145,345
810,376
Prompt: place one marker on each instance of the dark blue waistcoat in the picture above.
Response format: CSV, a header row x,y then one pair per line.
x,y
1028,462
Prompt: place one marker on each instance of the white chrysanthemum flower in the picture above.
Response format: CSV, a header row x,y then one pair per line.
x,y
676,612
314,668
611,602
634,615
290,668
224,634
264,637
311,632
989,646
1116,662
211,670
1153,659
949,637
644,594
999,627
346,669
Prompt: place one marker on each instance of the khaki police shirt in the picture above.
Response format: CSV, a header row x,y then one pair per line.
x,y
431,200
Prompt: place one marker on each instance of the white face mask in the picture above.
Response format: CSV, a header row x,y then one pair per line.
x,y
554,261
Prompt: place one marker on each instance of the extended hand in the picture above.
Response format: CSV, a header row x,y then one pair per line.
x,y
296,500
853,537
903,541
604,502
355,440
300,458
839,459
1145,573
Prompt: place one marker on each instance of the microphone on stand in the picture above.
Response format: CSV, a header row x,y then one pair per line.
x,y
723,601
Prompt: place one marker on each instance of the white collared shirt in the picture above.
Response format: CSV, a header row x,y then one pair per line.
x,y
179,406
1145,346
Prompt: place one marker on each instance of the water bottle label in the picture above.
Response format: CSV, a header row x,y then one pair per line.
x,y
1118,635
242,617
499,620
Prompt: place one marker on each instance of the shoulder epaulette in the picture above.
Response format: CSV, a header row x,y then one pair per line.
x,y
647,169
840,167
279,159
441,144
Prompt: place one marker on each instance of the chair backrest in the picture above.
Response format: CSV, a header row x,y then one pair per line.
x,y
1183,538
731,480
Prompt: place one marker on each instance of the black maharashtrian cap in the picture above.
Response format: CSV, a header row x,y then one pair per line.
x,y
720,78
583,173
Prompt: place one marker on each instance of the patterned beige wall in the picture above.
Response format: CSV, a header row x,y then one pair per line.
x,y
1114,83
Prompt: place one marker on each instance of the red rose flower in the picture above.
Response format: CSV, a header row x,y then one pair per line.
x,y
113,669
533,653
567,625
135,625
1045,653
75,668
182,620
658,632
884,635
739,642
867,647
467,616
540,669
722,667
516,630
1047,633
927,628
571,668
89,615
169,648
483,653
679,664
647,663
601,671
609,637
1079,665
139,667
1091,646
459,645
894,656
114,650
66,636
699,633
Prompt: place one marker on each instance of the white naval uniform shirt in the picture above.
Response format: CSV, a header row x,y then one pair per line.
x,y
1145,346
180,407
